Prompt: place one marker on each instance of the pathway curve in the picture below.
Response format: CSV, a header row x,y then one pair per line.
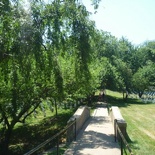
x,y
96,136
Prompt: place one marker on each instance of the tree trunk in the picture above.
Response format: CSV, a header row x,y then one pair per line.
x,y
123,95
5,142
127,94
56,108
140,94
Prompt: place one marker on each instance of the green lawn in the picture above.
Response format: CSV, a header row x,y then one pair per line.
x,y
141,127
140,118
37,130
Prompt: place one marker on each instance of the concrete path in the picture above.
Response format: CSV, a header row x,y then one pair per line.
x,y
96,136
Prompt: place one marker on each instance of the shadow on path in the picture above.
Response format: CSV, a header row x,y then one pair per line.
x,y
96,136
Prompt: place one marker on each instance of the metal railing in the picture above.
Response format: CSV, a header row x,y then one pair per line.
x,y
123,142
56,136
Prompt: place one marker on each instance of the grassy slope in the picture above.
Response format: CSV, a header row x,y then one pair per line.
x,y
140,120
37,130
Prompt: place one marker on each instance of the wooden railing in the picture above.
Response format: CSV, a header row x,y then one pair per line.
x,y
123,142
55,137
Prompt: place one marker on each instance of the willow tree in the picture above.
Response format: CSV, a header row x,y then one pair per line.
x,y
32,41
20,94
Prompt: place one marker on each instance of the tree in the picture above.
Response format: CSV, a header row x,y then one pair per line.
x,y
144,78
112,78
20,92
33,43
149,48
126,74
125,50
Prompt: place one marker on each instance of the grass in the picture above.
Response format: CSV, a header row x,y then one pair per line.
x,y
138,115
140,118
37,130
54,152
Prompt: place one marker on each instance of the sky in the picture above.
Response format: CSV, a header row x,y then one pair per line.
x,y
132,19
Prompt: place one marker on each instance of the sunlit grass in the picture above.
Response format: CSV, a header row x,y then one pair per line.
x,y
114,94
140,118
141,127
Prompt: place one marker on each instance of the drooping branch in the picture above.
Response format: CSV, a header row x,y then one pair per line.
x,y
28,114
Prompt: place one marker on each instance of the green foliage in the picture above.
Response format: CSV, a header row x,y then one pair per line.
x,y
144,78
33,41
122,70
125,72
95,3
51,49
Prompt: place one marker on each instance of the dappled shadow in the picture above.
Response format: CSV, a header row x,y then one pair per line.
x,y
31,135
93,139
97,120
92,136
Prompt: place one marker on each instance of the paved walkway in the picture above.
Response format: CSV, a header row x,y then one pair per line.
x,y
96,136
